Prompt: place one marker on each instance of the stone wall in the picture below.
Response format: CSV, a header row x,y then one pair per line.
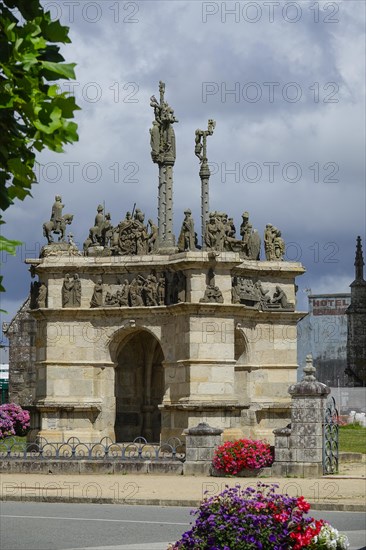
x,y
21,333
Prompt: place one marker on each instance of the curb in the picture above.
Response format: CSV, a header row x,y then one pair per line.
x,y
329,506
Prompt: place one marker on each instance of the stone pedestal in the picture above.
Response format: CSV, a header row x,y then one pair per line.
x,y
201,442
99,369
299,446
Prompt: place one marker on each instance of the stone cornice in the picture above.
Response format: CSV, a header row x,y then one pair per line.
x,y
71,363
131,314
200,260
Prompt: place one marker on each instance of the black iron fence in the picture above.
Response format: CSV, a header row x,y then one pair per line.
x,y
106,449
331,438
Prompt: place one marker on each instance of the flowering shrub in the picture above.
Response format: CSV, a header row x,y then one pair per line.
x,y
13,420
234,456
248,519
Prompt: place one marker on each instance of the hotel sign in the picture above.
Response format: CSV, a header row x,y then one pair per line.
x,y
329,305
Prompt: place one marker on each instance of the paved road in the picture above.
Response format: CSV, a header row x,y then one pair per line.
x,y
43,526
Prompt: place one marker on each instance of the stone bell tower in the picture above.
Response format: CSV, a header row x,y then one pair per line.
x,y
356,324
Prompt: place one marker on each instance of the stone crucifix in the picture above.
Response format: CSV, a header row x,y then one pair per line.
x,y
162,141
200,151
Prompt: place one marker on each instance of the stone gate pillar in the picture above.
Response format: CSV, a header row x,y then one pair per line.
x,y
201,443
299,446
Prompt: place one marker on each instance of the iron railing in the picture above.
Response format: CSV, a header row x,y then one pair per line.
x,y
330,438
106,449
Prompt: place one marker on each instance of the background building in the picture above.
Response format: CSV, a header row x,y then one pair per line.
x,y
21,332
4,383
323,333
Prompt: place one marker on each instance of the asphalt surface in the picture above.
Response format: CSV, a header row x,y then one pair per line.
x,y
69,526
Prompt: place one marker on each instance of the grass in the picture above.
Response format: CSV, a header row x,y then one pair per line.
x,y
18,442
352,439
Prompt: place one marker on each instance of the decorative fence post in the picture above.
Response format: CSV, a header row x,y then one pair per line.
x,y
201,442
299,446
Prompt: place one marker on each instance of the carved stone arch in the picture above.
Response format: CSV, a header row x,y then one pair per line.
x,y
241,347
139,383
121,336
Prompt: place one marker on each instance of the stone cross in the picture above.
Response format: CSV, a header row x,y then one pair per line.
x,y
162,141
200,151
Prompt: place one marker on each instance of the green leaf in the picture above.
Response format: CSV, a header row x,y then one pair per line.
x,y
59,70
55,32
9,246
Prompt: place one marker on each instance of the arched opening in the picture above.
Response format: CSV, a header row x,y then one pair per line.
x,y
139,387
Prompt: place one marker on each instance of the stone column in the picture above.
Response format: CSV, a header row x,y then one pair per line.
x,y
201,443
168,234
161,202
299,446
205,177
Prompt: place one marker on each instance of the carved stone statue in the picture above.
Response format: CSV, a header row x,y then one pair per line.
x,y
153,237
131,236
215,232
57,223
263,294
95,232
136,289
97,298
278,244
124,298
71,291
38,298
67,291
280,299
151,291
274,245
254,245
212,295
76,291
186,240
110,300
161,289
245,292
244,223
42,295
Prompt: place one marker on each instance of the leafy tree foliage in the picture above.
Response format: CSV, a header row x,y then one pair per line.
x,y
33,113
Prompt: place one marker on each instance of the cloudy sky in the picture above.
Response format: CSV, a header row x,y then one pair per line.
x,y
284,82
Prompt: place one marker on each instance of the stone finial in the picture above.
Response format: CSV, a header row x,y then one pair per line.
x,y
359,263
309,369
309,385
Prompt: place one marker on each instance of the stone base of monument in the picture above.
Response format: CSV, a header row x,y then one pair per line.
x,y
98,251
259,472
301,469
84,466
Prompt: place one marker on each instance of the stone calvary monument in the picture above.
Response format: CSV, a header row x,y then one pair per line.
x,y
138,335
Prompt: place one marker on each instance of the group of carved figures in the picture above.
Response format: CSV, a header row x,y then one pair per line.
x,y
158,289
220,235
252,294
153,290
130,237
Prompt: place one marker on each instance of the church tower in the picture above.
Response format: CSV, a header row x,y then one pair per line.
x,y
356,324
